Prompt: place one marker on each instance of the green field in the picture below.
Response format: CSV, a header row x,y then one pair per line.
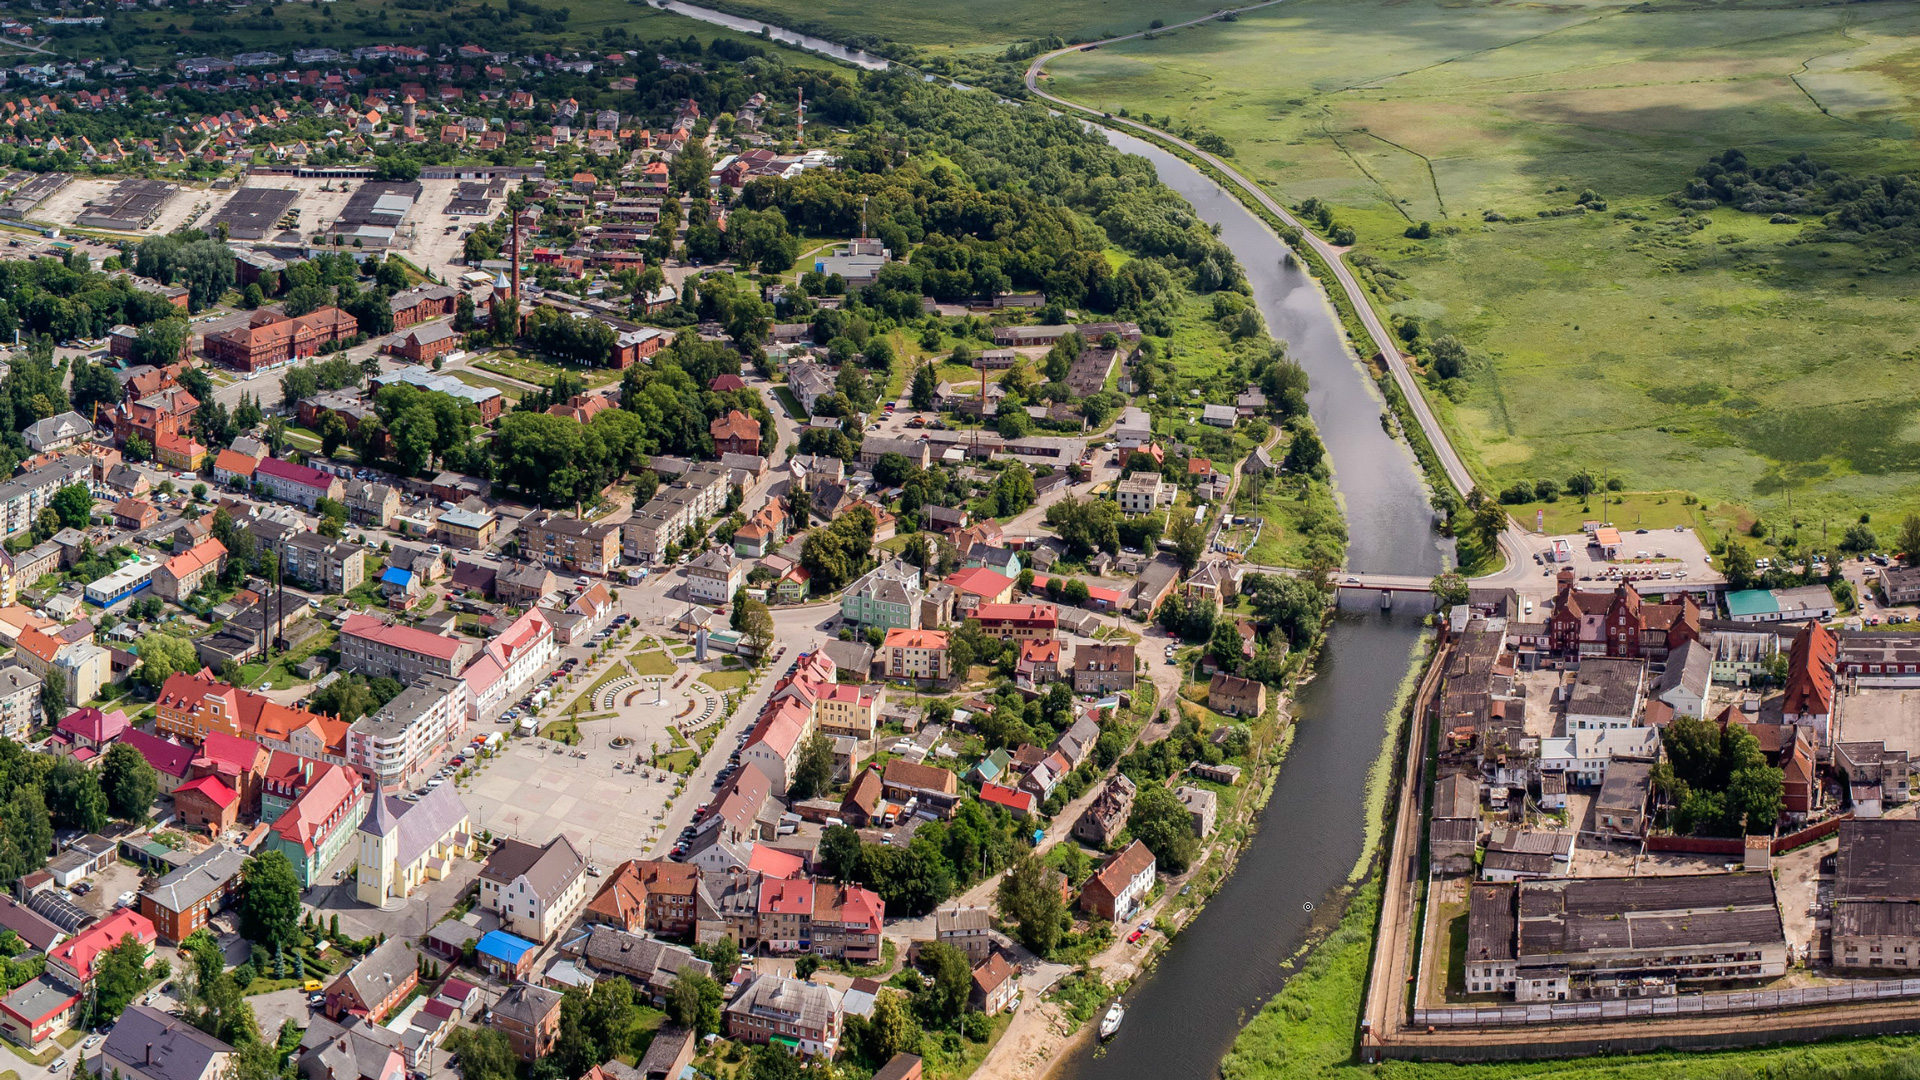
x,y
1727,360
160,36
978,27
724,680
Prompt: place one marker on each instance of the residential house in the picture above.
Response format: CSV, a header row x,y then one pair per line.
x,y
1235,696
1018,622
529,1016
916,654
715,576
182,575
570,543
1103,668
372,988
374,647
996,984
148,1044
735,433
654,895
1120,887
888,597
774,1009
186,899
535,890
969,929
301,485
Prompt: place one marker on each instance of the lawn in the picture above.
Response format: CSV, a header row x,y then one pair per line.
x,y
724,680
512,391
652,663
680,761
541,372
1729,361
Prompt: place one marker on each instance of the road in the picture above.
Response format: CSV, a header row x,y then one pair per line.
x,y
1383,340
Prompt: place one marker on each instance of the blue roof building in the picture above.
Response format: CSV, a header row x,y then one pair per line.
x,y
505,954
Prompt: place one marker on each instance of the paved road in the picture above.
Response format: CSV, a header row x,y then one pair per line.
x,y
1384,342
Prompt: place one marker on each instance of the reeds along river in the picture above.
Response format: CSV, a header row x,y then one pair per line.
x,y
1220,970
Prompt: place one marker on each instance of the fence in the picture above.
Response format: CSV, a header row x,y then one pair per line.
x,y
1707,845
1685,1005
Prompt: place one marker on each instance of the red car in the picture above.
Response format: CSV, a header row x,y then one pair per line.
x,y
1136,936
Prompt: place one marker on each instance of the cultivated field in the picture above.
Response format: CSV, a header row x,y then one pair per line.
x,y
1726,360
983,26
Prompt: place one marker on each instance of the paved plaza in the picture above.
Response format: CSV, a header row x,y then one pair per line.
x,y
601,795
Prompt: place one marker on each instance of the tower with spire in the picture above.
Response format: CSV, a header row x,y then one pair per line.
x,y
379,850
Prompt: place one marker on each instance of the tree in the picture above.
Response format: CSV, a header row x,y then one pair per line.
x,y
1012,490
840,853
119,975
74,504
890,1030
756,622
53,693
923,388
26,831
129,782
1028,897
73,792
1189,541
694,1002
945,998
485,1054
1160,821
1449,589
1859,539
162,655
1908,539
162,343
773,1063
1306,453
93,386
1489,520
804,967
270,901
813,772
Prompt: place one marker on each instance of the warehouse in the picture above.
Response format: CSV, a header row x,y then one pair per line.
x,y
376,212
254,213
28,196
129,207
1595,938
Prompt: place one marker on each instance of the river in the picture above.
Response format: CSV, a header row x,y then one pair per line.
x,y
1183,1016
856,57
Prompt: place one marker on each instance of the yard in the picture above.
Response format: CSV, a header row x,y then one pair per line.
x,y
1718,354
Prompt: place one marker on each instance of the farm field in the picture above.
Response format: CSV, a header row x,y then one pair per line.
x,y
1715,355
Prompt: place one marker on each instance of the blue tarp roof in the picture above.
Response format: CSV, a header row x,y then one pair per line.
x,y
504,946
396,576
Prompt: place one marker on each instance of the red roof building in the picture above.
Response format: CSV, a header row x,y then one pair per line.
x,y
1020,802
1018,622
74,959
207,803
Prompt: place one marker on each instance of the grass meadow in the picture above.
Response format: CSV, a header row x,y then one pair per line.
x,y
1733,361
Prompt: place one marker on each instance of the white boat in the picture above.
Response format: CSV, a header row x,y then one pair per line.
x,y
1111,1022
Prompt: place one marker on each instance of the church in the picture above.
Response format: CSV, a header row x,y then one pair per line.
x,y
404,844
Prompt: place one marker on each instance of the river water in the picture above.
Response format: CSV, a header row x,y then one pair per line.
x,y
1184,1015
856,57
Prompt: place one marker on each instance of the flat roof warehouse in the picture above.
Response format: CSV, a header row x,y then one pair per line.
x,y
253,212
130,206
376,211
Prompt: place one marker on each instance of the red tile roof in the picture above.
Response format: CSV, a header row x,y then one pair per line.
x,y
404,638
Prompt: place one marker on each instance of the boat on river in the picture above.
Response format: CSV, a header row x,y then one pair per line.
x,y
1111,1022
